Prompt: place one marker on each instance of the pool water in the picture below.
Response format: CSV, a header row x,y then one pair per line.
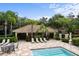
x,y
52,52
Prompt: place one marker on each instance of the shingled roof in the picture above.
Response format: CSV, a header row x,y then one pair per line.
x,y
27,29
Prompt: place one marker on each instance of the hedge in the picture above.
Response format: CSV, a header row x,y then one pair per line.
x,y
65,40
9,35
75,41
12,39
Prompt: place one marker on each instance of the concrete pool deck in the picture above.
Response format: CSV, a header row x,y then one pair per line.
x,y
24,48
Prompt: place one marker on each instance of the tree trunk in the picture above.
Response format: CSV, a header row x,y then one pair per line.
x,y
11,29
5,28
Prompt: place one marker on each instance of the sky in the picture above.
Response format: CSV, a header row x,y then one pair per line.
x,y
38,10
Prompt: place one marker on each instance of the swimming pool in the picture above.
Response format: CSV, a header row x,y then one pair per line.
x,y
57,51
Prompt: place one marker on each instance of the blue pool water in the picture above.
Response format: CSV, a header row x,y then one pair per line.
x,y
52,52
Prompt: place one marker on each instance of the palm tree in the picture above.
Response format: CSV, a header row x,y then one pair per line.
x,y
31,22
43,20
43,29
3,17
11,18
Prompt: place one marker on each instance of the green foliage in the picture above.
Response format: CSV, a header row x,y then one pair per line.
x,y
43,20
11,16
12,39
65,40
43,28
75,41
59,21
29,21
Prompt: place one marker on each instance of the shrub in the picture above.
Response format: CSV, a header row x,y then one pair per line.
x,y
57,38
9,35
65,40
75,41
12,39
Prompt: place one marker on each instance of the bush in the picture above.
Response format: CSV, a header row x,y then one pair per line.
x,y
57,38
75,41
9,35
65,40
12,39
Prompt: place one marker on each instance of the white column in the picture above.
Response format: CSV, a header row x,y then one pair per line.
x,y
16,35
60,36
27,34
66,36
70,38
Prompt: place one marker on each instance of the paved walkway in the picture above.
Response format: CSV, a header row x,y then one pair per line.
x,y
24,48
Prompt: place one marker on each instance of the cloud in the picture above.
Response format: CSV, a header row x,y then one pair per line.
x,y
53,6
65,9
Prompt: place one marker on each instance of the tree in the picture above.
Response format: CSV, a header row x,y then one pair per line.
x,y
71,15
43,29
31,22
43,20
3,17
55,21
11,18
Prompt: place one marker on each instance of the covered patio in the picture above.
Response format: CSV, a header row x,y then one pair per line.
x,y
29,31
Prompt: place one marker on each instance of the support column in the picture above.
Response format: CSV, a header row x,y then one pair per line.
x,y
60,36
54,35
66,36
70,38
26,36
16,35
17,39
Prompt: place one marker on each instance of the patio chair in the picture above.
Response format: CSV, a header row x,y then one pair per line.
x,y
41,40
8,48
3,41
8,41
45,39
32,40
37,40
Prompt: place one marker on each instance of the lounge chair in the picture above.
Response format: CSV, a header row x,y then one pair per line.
x,y
8,48
8,41
37,40
45,39
41,40
3,41
32,40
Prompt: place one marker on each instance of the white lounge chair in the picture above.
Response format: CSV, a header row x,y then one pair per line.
x,y
32,40
8,41
45,39
3,41
41,40
37,40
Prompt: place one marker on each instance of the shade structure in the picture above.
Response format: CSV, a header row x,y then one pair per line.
x,y
34,29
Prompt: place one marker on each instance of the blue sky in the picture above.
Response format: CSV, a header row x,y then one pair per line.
x,y
38,10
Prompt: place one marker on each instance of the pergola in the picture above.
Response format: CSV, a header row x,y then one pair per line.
x,y
32,28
